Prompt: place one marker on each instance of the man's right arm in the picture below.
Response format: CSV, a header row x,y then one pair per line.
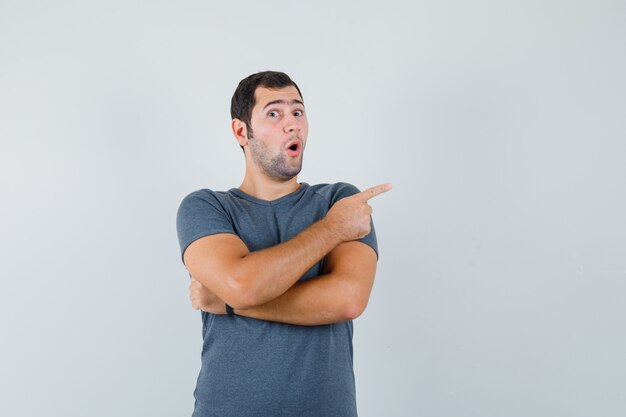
x,y
245,279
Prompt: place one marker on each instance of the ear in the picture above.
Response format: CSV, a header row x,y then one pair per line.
x,y
240,131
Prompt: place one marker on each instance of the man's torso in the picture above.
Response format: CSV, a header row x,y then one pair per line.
x,y
259,368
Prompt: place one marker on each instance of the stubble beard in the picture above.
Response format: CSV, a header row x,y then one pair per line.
x,y
274,166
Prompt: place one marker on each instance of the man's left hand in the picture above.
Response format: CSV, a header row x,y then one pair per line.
x,y
203,299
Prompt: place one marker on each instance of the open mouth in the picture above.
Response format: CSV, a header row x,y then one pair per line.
x,y
294,148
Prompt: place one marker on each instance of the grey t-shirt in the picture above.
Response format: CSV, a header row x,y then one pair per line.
x,y
260,368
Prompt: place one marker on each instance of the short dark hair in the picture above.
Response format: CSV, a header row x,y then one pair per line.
x,y
243,100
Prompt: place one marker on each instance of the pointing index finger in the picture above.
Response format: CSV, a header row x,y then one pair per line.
x,y
374,191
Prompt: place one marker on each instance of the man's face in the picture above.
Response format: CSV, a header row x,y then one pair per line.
x,y
279,131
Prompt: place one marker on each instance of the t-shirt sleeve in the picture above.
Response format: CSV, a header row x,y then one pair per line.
x,y
201,214
343,190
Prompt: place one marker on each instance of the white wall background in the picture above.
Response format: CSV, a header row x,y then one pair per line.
x,y
502,125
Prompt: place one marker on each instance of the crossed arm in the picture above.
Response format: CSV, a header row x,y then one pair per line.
x,y
340,294
263,284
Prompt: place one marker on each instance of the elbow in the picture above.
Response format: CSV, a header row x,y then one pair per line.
x,y
240,294
355,304
353,310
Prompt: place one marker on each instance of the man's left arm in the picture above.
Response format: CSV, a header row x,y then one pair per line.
x,y
340,294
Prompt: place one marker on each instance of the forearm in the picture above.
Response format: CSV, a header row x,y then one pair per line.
x,y
270,272
341,294
245,279
325,299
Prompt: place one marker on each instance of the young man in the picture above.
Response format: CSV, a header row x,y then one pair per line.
x,y
279,268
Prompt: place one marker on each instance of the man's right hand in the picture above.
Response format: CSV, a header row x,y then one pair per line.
x,y
350,217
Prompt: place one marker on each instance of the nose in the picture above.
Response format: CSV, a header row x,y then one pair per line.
x,y
292,124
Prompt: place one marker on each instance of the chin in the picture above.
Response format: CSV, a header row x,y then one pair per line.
x,y
286,176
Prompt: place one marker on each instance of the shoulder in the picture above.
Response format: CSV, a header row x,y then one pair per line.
x,y
203,197
200,214
334,192
205,194
201,203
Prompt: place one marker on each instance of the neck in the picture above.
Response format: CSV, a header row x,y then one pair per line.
x,y
260,186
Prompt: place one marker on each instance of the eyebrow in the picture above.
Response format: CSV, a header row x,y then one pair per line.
x,y
294,101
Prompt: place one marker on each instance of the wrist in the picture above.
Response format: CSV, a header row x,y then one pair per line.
x,y
332,230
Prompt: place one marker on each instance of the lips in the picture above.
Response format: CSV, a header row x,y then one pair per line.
x,y
294,147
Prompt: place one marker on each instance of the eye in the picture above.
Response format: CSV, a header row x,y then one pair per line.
x,y
298,113
273,113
